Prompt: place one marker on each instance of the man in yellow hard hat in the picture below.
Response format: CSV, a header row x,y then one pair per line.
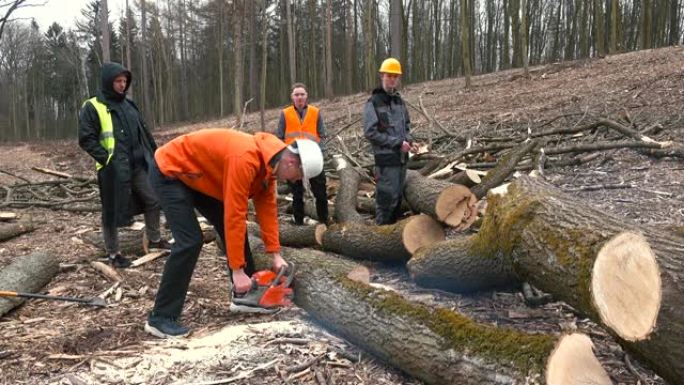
x,y
301,120
387,126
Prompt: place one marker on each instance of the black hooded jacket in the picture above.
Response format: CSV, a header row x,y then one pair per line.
x,y
134,146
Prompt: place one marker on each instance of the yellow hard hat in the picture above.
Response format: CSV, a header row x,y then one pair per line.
x,y
390,66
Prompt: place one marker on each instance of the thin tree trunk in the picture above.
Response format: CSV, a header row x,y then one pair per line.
x,y
251,34
645,36
291,43
328,50
349,60
465,40
264,64
614,17
599,35
147,105
104,30
239,60
396,27
524,37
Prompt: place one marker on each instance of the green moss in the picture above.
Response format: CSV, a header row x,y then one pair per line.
x,y
502,225
526,352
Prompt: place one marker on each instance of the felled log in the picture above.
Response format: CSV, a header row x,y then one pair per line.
x,y
345,201
627,276
387,243
292,235
504,169
446,202
131,242
468,178
26,274
435,345
11,230
457,265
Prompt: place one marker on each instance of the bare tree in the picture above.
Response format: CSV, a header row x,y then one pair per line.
x,y
104,30
465,41
328,50
396,28
11,7
264,64
290,42
239,77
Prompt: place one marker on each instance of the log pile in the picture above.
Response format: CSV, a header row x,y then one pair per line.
x,y
625,276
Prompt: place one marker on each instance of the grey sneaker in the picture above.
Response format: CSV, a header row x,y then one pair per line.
x,y
163,327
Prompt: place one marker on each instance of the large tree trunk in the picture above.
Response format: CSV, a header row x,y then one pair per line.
x,y
11,230
627,276
435,345
446,202
26,274
387,243
457,265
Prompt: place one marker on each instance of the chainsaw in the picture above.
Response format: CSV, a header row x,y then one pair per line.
x,y
270,291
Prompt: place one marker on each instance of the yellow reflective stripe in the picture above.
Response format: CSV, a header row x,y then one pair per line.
x,y
107,140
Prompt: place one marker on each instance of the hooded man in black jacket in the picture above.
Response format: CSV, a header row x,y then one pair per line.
x,y
111,130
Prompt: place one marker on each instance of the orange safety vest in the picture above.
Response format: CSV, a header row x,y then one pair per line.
x,y
296,128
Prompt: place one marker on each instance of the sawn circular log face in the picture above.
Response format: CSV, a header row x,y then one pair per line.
x,y
573,363
626,286
421,230
452,204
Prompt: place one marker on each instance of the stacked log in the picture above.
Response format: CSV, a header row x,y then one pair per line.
x,y
26,274
446,202
387,243
433,344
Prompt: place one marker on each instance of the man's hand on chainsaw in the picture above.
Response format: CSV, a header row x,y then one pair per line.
x,y
278,262
242,283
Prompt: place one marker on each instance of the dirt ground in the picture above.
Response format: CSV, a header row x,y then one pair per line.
x,y
58,343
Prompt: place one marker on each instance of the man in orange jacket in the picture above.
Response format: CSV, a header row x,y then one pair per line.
x,y
217,171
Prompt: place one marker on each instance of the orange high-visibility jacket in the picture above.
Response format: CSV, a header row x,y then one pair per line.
x,y
233,167
296,128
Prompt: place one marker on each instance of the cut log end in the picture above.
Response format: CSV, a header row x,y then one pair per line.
x,y
452,204
318,233
626,286
501,190
421,230
573,363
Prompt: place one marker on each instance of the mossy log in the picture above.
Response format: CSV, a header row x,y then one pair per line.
x,y
455,265
387,243
505,167
435,345
627,276
26,274
345,201
11,230
446,202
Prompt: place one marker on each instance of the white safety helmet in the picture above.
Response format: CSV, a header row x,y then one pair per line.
x,y
310,156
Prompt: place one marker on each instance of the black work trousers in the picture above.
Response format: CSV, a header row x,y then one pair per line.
x,y
320,195
388,193
179,203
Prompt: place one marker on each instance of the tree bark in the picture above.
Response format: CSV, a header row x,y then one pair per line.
x,y
624,275
466,49
387,243
329,76
435,345
446,202
104,30
26,274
